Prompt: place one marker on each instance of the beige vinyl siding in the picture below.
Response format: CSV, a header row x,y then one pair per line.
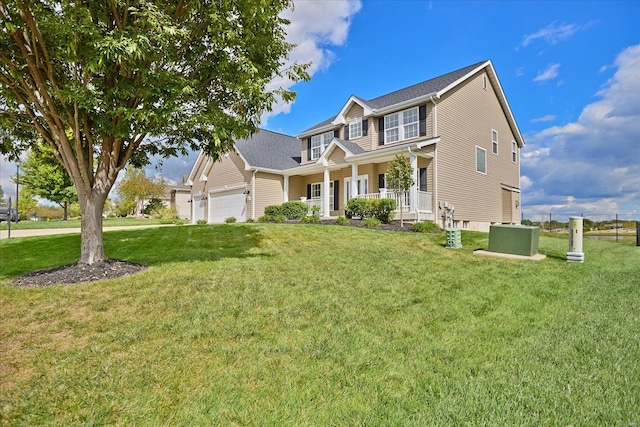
x,y
466,117
364,141
297,187
304,149
269,190
228,171
199,185
336,157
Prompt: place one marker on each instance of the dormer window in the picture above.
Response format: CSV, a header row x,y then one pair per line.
x,y
355,128
401,125
319,143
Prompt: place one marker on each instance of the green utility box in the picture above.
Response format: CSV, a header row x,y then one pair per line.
x,y
454,240
514,239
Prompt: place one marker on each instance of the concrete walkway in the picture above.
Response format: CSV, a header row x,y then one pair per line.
x,y
52,231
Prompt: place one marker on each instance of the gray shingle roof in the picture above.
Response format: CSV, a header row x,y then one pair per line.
x,y
353,147
271,150
421,89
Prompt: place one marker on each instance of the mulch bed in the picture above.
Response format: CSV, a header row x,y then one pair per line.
x,y
78,273
113,268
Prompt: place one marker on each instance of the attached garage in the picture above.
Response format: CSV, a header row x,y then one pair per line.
x,y
228,204
199,203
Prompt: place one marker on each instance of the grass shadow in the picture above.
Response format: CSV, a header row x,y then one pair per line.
x,y
152,246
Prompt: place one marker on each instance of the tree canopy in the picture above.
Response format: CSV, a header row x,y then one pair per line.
x,y
135,187
45,177
109,82
400,178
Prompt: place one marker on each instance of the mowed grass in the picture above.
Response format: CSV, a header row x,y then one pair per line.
x,y
305,325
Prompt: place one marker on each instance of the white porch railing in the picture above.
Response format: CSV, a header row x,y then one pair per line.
x,y
314,201
425,203
423,200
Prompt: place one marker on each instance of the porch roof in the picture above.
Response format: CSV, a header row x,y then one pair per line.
x,y
361,155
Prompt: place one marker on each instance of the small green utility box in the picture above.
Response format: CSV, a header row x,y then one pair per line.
x,y
514,239
454,241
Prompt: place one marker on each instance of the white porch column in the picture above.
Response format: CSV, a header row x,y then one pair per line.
x,y
354,180
325,195
413,191
285,195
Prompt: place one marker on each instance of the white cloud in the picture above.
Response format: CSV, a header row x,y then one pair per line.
x,y
316,26
550,73
596,159
553,33
547,118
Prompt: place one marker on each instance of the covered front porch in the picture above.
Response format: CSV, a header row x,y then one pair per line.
x,y
326,185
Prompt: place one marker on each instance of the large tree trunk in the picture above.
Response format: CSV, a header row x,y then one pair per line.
x,y
91,246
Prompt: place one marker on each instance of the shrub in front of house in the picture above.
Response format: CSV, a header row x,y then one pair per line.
x,y
230,220
201,221
265,218
341,220
294,209
371,222
381,209
356,208
425,227
310,219
273,210
279,218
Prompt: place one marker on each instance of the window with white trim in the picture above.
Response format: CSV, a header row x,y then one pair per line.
x,y
494,141
481,160
316,190
401,125
355,128
319,143
514,152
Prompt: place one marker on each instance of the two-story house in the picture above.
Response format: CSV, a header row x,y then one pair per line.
x,y
457,130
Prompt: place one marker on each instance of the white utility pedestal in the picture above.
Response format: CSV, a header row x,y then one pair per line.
x,y
575,253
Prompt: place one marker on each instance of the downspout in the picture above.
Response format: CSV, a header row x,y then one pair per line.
x,y
253,194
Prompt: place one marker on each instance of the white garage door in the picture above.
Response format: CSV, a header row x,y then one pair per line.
x,y
198,208
226,205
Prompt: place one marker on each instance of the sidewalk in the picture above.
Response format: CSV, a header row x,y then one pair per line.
x,y
52,231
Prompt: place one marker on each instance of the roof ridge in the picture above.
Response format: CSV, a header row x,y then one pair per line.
x,y
477,64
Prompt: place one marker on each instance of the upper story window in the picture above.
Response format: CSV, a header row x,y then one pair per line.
x,y
494,141
355,128
514,152
401,125
319,143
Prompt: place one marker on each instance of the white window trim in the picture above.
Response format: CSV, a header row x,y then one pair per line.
x,y
362,179
514,152
494,142
320,185
485,160
401,125
355,124
321,141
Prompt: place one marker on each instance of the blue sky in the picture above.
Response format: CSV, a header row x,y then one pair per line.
x,y
570,71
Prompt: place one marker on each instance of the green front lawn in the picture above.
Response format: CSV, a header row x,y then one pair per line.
x,y
260,324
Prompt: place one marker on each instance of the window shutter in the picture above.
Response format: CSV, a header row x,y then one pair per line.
x,y
308,148
336,195
381,183
381,131
346,132
336,133
423,179
365,127
422,116
309,191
